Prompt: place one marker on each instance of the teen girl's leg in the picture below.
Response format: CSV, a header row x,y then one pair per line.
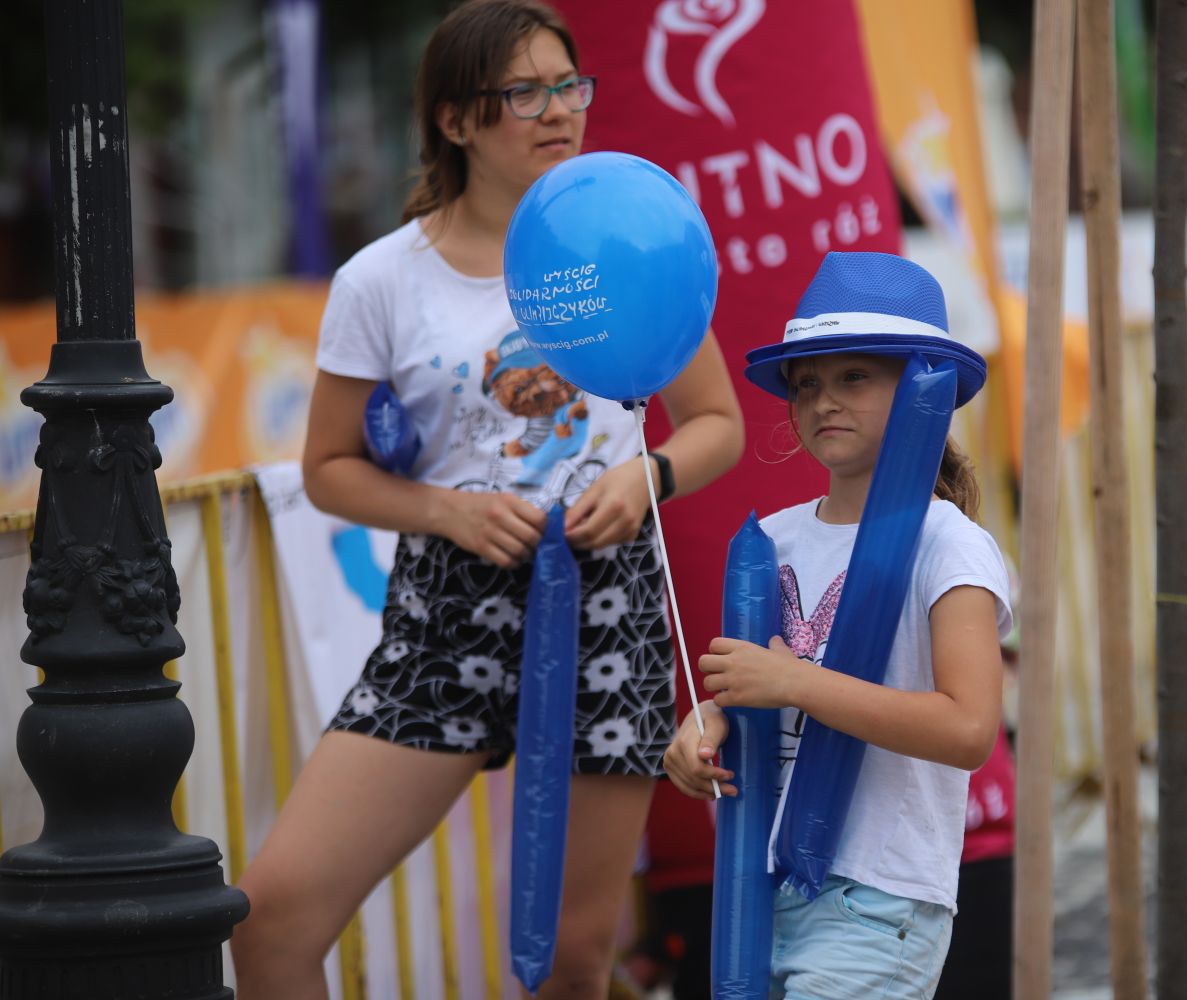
x,y
359,806
607,814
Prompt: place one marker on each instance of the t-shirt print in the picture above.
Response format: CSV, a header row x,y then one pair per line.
x,y
805,637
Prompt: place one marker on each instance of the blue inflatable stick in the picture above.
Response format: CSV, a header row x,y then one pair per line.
x,y
544,754
392,441
742,889
828,762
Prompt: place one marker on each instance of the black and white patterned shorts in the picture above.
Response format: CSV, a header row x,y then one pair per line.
x,y
445,676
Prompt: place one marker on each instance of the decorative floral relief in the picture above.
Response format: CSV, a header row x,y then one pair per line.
x,y
134,594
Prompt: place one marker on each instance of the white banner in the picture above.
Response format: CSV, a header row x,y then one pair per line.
x,y
20,808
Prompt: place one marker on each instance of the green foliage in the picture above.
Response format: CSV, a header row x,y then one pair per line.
x,y
154,39
1135,82
155,64
23,102
353,22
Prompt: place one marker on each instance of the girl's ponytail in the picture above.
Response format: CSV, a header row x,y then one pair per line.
x,y
956,481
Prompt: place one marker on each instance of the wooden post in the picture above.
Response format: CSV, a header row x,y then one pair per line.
x,y
1050,127
1101,184
1170,443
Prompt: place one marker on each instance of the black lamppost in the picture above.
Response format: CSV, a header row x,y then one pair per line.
x,y
111,901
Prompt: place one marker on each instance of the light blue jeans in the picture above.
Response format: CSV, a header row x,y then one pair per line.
x,y
854,942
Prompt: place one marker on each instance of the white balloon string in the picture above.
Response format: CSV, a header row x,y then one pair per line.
x,y
663,554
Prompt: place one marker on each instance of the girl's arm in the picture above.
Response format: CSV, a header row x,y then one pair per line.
x,y
955,724
340,479
706,441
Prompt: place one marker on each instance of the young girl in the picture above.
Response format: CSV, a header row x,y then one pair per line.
x,y
880,927
500,100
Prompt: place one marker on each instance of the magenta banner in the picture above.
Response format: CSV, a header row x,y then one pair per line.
x,y
762,110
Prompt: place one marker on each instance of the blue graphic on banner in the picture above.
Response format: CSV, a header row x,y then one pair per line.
x,y
363,575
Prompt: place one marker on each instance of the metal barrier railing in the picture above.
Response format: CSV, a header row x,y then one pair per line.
x,y
209,493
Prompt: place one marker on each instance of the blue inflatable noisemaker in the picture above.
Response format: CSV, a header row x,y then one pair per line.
x,y
392,441
544,754
828,762
743,891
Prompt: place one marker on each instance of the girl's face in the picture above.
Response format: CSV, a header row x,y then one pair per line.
x,y
840,404
516,151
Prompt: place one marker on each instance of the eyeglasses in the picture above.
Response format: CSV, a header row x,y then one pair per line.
x,y
531,100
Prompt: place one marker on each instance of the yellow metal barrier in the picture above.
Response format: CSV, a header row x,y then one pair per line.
x,y
401,915
181,813
483,853
181,809
208,492
441,868
17,520
212,536
352,960
279,732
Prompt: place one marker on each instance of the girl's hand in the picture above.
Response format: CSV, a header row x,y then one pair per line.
x,y
611,510
743,674
689,759
502,528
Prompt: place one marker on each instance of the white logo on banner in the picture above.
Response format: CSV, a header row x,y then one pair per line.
x,y
722,22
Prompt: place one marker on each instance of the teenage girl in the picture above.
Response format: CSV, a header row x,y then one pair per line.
x,y
501,98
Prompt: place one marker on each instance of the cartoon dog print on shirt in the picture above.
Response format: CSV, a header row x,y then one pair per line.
x,y
556,413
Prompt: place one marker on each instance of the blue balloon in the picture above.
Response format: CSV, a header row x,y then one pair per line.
x,y
392,441
611,274
828,762
743,892
544,754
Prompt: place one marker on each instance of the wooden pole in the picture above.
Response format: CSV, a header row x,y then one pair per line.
x,y
1050,127
1170,437
1101,185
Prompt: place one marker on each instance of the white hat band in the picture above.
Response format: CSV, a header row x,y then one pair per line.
x,y
845,323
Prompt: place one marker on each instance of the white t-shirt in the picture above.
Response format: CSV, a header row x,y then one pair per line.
x,y
905,827
490,414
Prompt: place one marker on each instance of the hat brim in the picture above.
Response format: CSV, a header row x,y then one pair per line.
x,y
765,364
518,359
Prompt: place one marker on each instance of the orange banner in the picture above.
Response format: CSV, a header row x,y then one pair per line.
x,y
921,57
240,363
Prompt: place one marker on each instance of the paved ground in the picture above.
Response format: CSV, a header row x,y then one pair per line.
x,y
1080,970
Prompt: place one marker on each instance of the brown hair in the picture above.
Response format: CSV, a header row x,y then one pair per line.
x,y
469,52
956,481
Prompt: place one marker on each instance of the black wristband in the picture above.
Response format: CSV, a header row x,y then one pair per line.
x,y
667,482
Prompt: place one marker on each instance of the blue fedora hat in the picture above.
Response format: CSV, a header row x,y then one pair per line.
x,y
868,303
